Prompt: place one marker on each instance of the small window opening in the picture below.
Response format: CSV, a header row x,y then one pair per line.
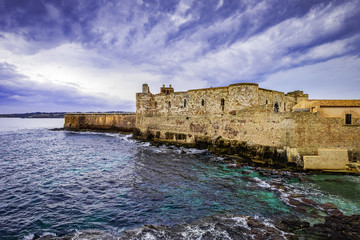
x,y
276,107
284,106
169,104
222,104
184,102
155,104
267,101
202,102
347,118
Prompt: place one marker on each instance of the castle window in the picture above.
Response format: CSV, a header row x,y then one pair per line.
x,y
284,106
169,104
155,104
184,102
222,104
276,107
266,102
202,102
347,118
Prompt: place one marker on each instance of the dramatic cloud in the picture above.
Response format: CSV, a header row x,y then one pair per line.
x,y
81,55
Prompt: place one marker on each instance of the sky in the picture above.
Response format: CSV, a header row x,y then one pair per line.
x,y
94,55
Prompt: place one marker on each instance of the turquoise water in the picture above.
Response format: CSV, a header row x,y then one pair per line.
x,y
60,182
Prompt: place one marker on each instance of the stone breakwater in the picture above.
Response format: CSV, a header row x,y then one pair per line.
x,y
113,122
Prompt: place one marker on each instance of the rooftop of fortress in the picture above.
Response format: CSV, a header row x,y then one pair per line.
x,y
336,102
170,89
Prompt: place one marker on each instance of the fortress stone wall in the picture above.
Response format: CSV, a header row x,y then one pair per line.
x,y
241,119
100,121
219,100
245,120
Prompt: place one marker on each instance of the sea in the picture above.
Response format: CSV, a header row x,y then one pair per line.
x,y
62,182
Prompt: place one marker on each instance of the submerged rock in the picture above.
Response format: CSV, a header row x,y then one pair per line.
x,y
235,227
335,227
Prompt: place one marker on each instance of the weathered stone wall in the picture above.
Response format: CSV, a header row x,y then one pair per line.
x,y
309,131
260,128
217,100
268,98
100,121
237,118
305,132
327,159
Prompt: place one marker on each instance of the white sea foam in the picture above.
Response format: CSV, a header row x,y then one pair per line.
x,y
242,222
197,233
261,183
149,236
29,237
127,138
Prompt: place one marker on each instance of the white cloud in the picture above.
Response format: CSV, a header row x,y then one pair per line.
x,y
72,65
130,46
336,78
220,4
247,59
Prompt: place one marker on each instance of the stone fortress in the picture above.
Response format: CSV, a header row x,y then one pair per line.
x,y
242,119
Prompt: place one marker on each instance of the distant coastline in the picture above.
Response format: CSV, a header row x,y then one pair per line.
x,y
45,114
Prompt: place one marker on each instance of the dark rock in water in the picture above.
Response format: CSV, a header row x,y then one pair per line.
x,y
182,152
294,202
57,129
327,206
213,227
308,201
290,225
335,212
335,227
235,227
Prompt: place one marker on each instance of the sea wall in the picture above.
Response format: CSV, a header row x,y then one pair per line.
x,y
124,122
280,137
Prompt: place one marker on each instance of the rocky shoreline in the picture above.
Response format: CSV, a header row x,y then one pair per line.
x,y
332,222
234,227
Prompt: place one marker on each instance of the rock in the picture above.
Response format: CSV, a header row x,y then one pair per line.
x,y
278,186
335,212
335,227
294,202
309,202
327,206
290,225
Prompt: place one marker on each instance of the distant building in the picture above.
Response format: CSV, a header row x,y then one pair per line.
x,y
346,109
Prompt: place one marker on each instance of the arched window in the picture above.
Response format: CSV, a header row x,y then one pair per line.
x,y
202,102
222,104
184,102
